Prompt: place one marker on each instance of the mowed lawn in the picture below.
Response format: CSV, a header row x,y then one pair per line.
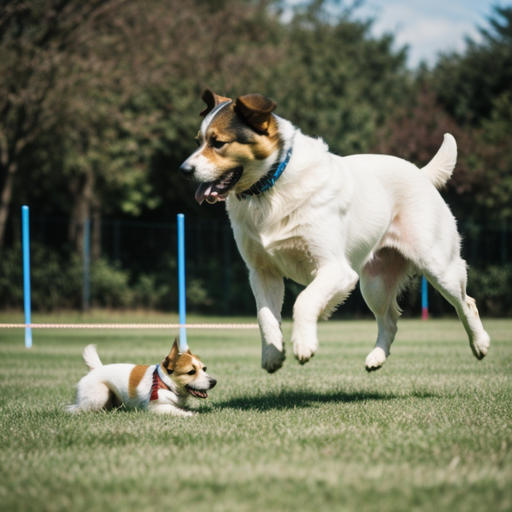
x,y
430,431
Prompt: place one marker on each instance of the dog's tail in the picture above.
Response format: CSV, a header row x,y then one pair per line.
x,y
440,168
91,358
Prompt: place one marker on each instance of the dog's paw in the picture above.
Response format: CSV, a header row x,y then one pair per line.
x,y
272,358
181,413
304,352
480,346
375,359
171,410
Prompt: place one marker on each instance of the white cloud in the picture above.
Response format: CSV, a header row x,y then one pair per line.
x,y
428,27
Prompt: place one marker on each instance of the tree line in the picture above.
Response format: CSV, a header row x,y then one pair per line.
x,y
99,100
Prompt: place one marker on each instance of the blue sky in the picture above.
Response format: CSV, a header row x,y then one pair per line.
x,y
429,26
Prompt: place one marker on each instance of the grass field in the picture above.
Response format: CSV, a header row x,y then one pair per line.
x,y
430,431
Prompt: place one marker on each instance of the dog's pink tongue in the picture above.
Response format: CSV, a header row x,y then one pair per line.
x,y
203,191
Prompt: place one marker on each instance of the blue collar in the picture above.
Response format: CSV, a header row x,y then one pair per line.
x,y
268,181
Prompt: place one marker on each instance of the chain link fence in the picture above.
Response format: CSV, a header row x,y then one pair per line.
x,y
133,264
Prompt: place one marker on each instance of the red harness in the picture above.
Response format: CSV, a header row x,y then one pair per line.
x,y
158,383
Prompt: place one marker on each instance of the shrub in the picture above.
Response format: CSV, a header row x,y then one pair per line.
x,y
148,293
492,289
110,285
57,281
54,284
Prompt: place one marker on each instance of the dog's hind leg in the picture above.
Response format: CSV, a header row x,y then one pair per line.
x,y
93,396
450,280
381,280
268,289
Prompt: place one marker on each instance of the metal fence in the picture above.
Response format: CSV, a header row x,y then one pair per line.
x,y
122,263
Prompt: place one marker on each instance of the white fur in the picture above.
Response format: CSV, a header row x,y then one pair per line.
x,y
208,170
330,221
439,170
94,389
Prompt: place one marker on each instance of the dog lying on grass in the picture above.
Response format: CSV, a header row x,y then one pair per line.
x,y
163,388
327,222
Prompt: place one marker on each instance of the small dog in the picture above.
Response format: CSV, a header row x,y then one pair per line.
x,y
326,222
163,388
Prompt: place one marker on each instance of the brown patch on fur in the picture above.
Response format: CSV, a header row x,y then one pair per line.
x,y
243,144
212,100
184,365
185,369
170,359
257,110
187,362
269,143
135,377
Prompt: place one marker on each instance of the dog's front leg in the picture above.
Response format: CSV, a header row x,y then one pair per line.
x,y
331,286
268,290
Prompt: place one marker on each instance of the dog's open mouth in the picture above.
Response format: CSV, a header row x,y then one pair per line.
x,y
217,190
197,393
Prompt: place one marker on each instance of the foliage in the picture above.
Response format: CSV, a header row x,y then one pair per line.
x,y
110,285
337,81
475,90
492,289
119,93
46,62
469,84
100,103
150,294
469,96
57,281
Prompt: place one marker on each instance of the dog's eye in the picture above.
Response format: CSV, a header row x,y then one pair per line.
x,y
204,369
191,372
217,144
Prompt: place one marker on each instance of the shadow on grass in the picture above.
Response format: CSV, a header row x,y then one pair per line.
x,y
300,399
289,399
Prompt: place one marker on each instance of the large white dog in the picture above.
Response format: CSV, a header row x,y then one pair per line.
x,y
326,221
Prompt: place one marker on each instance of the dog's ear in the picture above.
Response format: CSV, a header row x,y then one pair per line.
x,y
170,360
256,110
212,100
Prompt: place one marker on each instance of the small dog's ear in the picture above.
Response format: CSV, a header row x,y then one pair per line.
x,y
212,100
256,110
173,356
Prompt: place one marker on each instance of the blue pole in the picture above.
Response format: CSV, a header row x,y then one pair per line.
x,y
181,281
424,298
26,273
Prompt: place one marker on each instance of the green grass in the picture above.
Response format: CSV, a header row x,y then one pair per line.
x,y
430,431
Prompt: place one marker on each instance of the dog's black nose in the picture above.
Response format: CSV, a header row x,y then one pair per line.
x,y
187,170
212,382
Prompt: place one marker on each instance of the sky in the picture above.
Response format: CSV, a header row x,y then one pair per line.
x,y
429,26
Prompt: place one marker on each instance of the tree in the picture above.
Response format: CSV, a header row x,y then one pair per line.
x,y
475,88
111,83
337,81
468,84
39,41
